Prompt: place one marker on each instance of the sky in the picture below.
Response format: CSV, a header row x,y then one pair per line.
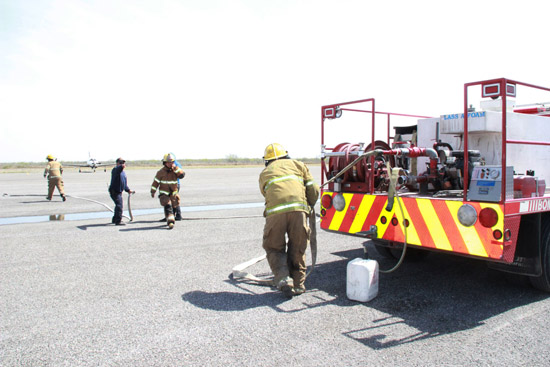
x,y
220,78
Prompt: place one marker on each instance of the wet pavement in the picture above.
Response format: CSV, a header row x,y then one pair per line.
x,y
109,214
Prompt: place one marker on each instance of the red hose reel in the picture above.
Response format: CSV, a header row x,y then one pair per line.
x,y
356,179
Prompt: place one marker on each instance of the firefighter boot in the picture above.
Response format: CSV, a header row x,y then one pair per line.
x,y
286,286
177,212
299,290
169,214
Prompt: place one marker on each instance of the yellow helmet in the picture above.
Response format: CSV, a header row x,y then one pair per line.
x,y
50,157
274,151
169,157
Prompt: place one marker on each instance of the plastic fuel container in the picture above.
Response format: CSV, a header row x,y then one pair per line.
x,y
362,280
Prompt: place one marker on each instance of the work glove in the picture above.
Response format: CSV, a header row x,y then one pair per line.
x,y
152,194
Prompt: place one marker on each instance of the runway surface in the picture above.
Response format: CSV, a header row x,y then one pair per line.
x,y
83,292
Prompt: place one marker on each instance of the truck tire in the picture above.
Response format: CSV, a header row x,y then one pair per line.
x,y
542,282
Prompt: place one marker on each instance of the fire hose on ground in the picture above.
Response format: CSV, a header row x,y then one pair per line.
x,y
239,273
130,217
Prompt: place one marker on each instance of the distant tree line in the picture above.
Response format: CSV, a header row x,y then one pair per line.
x,y
230,160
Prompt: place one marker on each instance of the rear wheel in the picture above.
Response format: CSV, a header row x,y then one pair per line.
x,y
542,282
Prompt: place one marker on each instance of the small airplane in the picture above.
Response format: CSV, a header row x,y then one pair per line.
x,y
92,164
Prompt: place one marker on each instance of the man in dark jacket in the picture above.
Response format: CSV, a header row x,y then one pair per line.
x,y
119,183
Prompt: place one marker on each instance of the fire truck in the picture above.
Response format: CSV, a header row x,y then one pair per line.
x,y
470,183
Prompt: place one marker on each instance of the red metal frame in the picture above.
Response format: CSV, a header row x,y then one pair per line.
x,y
503,94
374,113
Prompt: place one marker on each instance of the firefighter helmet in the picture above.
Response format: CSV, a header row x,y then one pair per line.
x,y
50,157
274,151
169,157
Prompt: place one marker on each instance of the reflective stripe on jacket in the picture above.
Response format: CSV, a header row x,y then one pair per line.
x,y
53,169
166,181
287,186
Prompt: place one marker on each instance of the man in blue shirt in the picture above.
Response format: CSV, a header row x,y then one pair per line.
x,y
119,184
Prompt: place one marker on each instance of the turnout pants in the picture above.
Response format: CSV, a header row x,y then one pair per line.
x,y
287,259
166,200
54,182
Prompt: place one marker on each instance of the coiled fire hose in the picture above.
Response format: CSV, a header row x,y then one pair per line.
x,y
346,168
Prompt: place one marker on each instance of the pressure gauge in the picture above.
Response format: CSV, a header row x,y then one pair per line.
x,y
495,173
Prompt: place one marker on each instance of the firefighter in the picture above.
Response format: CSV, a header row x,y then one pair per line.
x,y
166,181
54,170
289,192
177,209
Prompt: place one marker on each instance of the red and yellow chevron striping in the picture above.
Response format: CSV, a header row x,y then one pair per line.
x,y
429,222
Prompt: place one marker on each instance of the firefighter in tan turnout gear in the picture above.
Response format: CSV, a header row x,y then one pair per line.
x,y
53,170
289,192
166,182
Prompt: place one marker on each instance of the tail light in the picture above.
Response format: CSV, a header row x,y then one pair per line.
x,y
488,217
326,201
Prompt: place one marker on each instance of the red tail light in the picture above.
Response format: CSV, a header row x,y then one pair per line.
x,y
326,201
488,217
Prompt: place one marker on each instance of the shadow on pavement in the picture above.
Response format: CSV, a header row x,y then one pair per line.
x,y
127,227
86,226
157,225
439,295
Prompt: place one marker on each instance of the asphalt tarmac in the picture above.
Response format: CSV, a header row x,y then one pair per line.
x,y
83,292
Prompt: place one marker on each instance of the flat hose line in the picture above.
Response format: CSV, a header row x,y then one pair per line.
x,y
240,274
238,271
131,217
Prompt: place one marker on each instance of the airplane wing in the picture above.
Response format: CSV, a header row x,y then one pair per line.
x,y
91,165
83,165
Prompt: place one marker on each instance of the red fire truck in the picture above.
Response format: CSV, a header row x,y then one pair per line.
x,y
469,183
